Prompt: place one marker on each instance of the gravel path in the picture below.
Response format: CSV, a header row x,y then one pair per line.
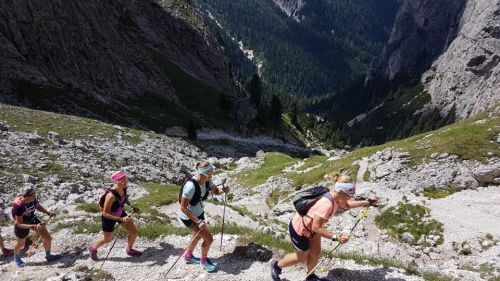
x,y
161,253
469,214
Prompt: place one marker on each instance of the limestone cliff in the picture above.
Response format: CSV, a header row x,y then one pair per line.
x,y
422,31
467,75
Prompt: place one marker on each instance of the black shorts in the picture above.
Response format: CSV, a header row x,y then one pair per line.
x,y
108,225
23,233
301,243
190,223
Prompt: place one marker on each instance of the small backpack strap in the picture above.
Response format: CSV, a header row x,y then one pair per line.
x,y
207,191
197,193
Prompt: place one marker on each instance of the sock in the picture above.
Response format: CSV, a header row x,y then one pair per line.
x,y
188,254
47,253
17,256
204,258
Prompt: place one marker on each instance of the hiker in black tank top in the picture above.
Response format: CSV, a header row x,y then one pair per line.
x,y
23,212
113,212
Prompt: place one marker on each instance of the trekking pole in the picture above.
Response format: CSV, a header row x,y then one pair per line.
x,y
34,246
192,239
334,250
223,215
114,242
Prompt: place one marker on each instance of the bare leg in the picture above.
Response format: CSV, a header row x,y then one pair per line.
x,y
314,252
132,233
47,239
293,258
106,238
194,243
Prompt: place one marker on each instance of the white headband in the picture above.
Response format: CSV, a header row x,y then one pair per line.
x,y
346,187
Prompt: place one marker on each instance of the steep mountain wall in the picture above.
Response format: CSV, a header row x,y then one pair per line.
x,y
110,52
467,76
456,42
422,31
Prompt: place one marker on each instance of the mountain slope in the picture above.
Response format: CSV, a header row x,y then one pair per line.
x,y
149,64
322,46
70,166
438,65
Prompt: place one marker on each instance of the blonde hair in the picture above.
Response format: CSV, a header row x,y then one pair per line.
x,y
345,179
202,164
333,176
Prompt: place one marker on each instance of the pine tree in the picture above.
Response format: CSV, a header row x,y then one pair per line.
x,y
191,130
276,110
255,89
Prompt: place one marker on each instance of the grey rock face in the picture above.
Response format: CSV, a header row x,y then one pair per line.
x,y
290,7
390,167
488,175
467,75
422,31
102,51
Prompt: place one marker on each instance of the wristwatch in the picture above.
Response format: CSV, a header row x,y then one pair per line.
x,y
334,238
200,222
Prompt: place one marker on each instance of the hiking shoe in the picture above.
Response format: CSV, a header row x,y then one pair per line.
x,y
19,262
314,277
192,260
93,252
208,265
275,270
7,252
51,258
134,253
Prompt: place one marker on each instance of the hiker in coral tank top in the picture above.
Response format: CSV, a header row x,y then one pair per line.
x,y
306,231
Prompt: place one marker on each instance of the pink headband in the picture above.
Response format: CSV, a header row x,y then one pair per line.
x,y
118,176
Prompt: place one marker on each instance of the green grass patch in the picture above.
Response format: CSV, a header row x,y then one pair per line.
x,y
272,165
468,139
95,274
312,162
487,271
155,230
296,132
158,195
313,176
276,196
195,94
89,207
487,238
366,176
68,127
414,219
435,193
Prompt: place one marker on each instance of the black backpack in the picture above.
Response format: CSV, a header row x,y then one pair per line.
x,y
117,204
197,192
304,200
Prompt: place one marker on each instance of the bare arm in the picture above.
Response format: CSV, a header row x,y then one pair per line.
x,y
18,222
186,211
317,227
361,203
43,210
217,189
